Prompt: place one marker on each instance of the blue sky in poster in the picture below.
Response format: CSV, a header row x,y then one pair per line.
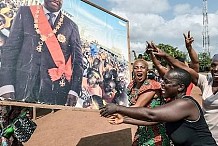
x,y
97,25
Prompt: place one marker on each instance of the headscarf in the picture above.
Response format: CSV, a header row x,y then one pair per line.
x,y
215,58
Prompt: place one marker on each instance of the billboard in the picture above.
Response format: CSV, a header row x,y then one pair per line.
x,y
34,73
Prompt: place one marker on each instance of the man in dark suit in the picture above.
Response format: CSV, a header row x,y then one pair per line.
x,y
42,58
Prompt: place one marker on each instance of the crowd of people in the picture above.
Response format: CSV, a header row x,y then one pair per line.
x,y
46,62
8,11
104,79
185,122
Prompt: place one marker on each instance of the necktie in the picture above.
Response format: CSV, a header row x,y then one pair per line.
x,y
51,15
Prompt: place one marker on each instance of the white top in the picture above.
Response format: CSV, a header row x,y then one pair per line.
x,y
209,104
55,13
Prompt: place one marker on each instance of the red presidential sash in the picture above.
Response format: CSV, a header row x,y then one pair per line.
x,y
48,36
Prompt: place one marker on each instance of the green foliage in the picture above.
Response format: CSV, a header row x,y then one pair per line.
x,y
204,61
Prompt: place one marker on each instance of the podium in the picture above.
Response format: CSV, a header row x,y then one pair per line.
x,y
68,126
72,127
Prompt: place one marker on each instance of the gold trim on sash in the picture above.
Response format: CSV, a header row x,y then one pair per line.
x,y
44,37
47,35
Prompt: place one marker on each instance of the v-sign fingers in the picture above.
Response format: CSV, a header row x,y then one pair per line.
x,y
184,36
188,34
149,45
153,45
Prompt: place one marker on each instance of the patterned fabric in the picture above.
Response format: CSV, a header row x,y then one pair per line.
x,y
134,93
148,135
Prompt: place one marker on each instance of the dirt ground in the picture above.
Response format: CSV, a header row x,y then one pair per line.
x,y
83,128
79,128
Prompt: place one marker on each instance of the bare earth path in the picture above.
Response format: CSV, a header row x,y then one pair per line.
x,y
79,128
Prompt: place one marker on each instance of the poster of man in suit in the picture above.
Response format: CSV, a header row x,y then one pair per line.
x,y
79,57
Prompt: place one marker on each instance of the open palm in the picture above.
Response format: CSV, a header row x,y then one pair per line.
x,y
116,119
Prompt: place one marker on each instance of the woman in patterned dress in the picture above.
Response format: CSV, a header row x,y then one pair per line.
x,y
145,92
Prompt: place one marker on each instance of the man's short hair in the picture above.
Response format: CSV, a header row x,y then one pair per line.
x,y
181,75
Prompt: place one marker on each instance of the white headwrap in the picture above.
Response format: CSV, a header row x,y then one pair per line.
x,y
215,58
